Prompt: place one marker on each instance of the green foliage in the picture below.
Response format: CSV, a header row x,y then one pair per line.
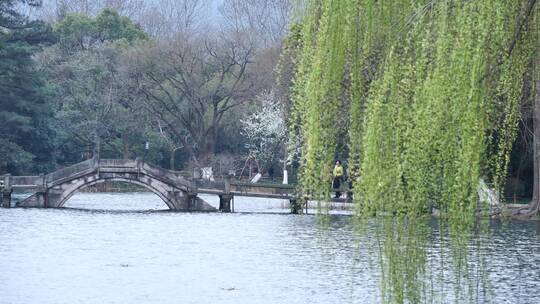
x,y
90,95
433,91
23,110
402,258
287,65
73,31
425,84
317,95
111,26
78,32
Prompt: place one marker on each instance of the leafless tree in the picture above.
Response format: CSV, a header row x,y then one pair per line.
x,y
266,19
53,10
166,18
200,67
191,83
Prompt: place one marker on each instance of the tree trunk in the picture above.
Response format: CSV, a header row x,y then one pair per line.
x,y
97,145
533,13
125,144
171,159
534,206
535,203
215,139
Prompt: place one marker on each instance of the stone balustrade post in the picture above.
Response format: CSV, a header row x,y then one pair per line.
x,y
5,188
225,203
226,198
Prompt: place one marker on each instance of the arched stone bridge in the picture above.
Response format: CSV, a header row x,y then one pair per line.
x,y
54,189
179,193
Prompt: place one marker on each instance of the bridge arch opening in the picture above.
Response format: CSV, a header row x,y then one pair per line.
x,y
151,199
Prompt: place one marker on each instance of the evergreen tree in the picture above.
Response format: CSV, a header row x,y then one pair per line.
x,y
23,110
84,71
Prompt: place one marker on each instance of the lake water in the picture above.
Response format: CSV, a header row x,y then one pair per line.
x,y
121,248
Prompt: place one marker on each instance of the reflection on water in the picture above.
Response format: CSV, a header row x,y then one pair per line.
x,y
424,261
108,255
402,254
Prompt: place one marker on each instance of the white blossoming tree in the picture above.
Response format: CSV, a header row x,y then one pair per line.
x,y
266,132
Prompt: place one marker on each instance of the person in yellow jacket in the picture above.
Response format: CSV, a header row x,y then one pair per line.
x,y
337,177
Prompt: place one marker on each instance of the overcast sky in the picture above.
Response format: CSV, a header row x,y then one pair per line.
x,y
212,11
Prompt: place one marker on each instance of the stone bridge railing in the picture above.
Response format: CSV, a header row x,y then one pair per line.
x,y
92,165
118,163
71,171
22,182
172,186
168,176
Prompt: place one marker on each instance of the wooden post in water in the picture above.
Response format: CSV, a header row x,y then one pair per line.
x,y
6,199
5,188
225,203
226,197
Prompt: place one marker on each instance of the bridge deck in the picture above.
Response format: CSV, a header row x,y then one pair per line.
x,y
172,178
273,191
262,190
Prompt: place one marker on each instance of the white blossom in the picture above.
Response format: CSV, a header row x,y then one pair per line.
x,y
265,130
